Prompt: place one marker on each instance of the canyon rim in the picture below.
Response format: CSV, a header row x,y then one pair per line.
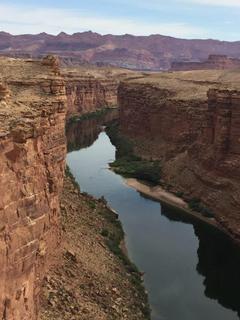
x,y
120,160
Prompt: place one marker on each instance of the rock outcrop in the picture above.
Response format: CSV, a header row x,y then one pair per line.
x,y
90,281
90,89
192,126
86,94
214,62
32,162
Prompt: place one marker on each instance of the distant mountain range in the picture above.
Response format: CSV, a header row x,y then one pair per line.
x,y
154,52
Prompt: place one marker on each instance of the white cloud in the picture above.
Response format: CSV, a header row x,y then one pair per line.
x,y
219,3
23,19
159,5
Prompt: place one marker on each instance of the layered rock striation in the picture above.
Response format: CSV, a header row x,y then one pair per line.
x,y
32,162
34,100
86,94
154,52
91,89
213,62
190,121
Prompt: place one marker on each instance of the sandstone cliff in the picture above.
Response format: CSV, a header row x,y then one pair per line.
x,y
86,94
34,98
32,161
190,121
89,89
214,62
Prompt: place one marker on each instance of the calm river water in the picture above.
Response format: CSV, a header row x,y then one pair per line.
x,y
192,272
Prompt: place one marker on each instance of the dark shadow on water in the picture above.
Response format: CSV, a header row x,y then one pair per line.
x,y
82,134
218,261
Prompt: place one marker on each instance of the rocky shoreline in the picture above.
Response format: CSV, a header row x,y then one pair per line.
x,y
93,278
160,194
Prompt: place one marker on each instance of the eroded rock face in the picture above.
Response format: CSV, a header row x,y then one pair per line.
x,y
88,94
4,92
154,52
213,62
32,162
197,140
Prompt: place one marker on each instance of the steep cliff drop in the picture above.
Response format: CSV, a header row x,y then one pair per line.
x,y
87,94
190,122
214,62
32,163
90,89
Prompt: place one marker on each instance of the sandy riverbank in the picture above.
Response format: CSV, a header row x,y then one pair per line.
x,y
159,194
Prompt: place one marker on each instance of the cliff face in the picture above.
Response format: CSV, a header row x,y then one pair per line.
x,y
213,62
88,94
32,161
195,135
89,88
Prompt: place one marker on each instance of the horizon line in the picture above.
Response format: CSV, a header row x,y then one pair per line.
x,y
116,35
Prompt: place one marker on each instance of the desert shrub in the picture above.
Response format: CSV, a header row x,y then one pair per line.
x,y
179,194
195,204
87,116
105,233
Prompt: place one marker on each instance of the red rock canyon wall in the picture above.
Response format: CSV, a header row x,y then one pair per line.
x,y
197,141
32,162
88,94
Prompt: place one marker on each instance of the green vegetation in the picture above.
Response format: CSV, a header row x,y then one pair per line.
x,y
127,163
196,205
92,204
87,116
69,174
139,169
113,239
104,232
179,194
113,234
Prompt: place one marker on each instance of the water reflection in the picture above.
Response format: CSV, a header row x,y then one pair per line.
x,y
191,269
82,134
218,261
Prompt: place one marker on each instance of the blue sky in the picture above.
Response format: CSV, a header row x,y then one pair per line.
x,y
218,19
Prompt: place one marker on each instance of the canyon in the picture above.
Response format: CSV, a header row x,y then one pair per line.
x,y
36,100
190,122
154,52
89,93
91,89
50,231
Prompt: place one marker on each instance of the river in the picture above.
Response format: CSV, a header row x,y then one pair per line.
x,y
192,271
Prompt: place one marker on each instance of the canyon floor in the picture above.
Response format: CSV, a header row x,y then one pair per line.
x,y
89,281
